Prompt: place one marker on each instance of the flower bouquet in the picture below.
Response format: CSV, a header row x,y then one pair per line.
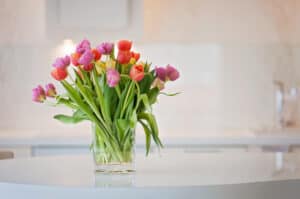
x,y
114,94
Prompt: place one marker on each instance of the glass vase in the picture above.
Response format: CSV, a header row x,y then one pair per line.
x,y
113,154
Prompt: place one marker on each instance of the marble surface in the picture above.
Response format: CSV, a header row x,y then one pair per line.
x,y
169,169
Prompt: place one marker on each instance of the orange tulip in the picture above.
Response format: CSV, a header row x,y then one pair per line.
x,y
59,74
137,72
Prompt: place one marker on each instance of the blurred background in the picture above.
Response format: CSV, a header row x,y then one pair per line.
x,y
239,63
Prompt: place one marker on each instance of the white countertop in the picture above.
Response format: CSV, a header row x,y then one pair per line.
x,y
170,175
169,169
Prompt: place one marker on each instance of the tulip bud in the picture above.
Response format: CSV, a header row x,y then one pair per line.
x,y
124,45
134,55
96,54
50,90
110,63
38,94
59,74
172,73
74,58
86,58
161,73
88,67
100,67
83,46
137,72
62,62
113,77
124,57
105,48
158,83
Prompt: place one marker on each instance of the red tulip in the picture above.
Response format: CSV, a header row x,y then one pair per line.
x,y
97,54
123,57
124,45
136,56
74,58
59,74
88,67
137,72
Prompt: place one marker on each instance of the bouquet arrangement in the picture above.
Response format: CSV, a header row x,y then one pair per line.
x,y
113,92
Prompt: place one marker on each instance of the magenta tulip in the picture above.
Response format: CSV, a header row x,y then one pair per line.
x,y
83,46
38,94
62,62
172,73
161,73
50,90
113,77
105,48
86,58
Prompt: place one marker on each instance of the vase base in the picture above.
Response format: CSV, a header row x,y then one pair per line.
x,y
115,168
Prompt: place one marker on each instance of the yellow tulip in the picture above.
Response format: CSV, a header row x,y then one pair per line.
x,y
110,64
100,67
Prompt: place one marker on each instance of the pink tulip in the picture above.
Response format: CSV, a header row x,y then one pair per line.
x,y
62,62
86,58
38,94
158,83
161,73
50,90
172,73
113,77
105,48
83,46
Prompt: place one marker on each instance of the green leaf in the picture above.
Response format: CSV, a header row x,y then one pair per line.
x,y
68,119
152,95
170,94
153,125
145,84
147,136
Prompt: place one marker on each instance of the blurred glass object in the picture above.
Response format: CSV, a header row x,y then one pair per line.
x,y
287,106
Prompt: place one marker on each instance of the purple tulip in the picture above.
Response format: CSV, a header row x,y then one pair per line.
x,y
105,48
38,94
86,58
161,73
83,46
172,73
50,90
113,77
62,62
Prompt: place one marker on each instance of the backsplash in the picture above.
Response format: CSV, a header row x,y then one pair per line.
x,y
228,64
225,89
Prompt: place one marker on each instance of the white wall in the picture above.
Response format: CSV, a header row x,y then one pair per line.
x,y
228,52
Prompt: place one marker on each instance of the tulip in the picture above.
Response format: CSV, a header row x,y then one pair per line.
x,y
83,46
105,48
172,73
62,62
74,58
134,55
38,94
124,45
50,90
161,73
113,77
124,57
59,74
137,72
110,63
158,83
100,67
88,67
86,58
97,54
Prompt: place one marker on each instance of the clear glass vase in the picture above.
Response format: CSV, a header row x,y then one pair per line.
x,y
114,154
